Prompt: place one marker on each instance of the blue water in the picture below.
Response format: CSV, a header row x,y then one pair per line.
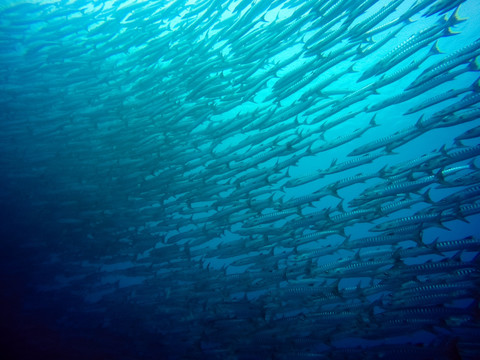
x,y
131,187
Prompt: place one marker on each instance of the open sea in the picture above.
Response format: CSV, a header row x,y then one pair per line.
x,y
261,179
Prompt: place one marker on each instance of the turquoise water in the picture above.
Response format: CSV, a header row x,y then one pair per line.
x,y
239,179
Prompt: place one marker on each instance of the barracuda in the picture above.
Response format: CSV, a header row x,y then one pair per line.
x,y
443,97
426,220
165,165
462,56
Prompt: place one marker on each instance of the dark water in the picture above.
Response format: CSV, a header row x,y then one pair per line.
x,y
239,179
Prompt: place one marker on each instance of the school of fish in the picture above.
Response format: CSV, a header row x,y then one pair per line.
x,y
268,179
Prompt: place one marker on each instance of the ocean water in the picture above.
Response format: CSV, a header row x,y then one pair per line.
x,y
239,179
